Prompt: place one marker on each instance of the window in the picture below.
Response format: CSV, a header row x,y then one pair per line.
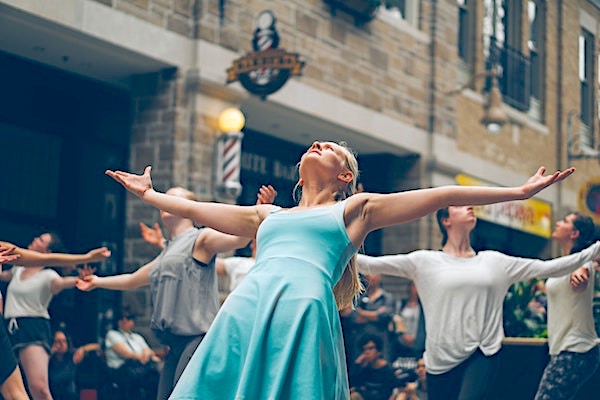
x,y
586,72
408,10
493,26
465,31
536,16
502,47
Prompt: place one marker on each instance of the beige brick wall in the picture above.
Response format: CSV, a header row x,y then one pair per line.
x,y
179,16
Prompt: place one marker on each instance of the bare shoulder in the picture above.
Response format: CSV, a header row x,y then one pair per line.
x,y
263,210
359,201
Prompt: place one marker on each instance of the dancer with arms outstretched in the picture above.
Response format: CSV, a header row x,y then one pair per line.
x,y
278,334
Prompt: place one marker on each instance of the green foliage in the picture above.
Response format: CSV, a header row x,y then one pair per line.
x,y
521,320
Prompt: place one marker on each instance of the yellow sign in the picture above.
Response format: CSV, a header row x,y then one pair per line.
x,y
271,58
589,199
531,216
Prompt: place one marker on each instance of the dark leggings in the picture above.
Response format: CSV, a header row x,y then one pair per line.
x,y
181,349
566,373
470,380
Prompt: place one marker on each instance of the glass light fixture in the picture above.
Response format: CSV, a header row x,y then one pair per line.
x,y
494,118
231,120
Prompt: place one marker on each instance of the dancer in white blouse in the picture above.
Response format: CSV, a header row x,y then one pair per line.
x,y
572,338
462,293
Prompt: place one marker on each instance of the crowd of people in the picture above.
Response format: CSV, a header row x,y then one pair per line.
x,y
301,322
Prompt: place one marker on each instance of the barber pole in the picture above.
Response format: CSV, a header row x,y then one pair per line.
x,y
229,150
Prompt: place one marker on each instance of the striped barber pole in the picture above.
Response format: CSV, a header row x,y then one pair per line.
x,y
229,152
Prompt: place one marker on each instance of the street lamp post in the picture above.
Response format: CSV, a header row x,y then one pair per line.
x,y
494,117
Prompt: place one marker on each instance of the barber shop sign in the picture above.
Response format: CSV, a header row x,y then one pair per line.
x,y
265,70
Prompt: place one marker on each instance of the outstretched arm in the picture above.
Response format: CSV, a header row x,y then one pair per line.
x,y
154,236
373,211
32,258
7,253
231,219
66,282
522,269
6,256
139,278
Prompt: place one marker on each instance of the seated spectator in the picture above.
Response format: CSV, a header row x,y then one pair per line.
x,y
371,376
411,343
373,314
415,390
131,361
62,366
349,334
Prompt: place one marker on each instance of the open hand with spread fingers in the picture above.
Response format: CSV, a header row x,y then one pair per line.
x,y
539,181
136,184
6,254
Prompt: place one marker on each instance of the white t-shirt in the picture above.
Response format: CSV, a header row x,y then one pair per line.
x,y
462,298
237,268
570,315
134,342
410,315
29,297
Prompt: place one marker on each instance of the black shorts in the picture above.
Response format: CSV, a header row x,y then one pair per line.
x,y
25,331
9,362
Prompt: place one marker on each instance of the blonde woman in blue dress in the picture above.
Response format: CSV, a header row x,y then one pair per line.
x,y
278,335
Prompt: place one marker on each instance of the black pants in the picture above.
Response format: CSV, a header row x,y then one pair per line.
x,y
470,380
140,385
182,349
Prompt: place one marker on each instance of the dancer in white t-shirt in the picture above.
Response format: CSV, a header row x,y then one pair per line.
x,y
28,296
572,338
236,268
462,293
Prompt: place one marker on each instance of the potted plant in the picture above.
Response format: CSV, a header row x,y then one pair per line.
x,y
362,10
521,319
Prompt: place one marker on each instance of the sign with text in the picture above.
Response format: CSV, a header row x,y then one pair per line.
x,y
532,215
268,167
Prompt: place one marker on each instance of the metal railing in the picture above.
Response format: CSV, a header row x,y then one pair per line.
x,y
514,80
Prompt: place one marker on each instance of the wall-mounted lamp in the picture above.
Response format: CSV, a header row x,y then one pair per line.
x,y
494,117
228,154
575,149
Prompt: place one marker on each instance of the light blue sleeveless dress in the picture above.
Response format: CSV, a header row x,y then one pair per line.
x,y
278,334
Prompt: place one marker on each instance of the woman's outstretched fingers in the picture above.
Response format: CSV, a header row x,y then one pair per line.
x,y
541,171
566,173
136,184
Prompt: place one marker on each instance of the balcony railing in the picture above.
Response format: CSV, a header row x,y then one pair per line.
x,y
515,75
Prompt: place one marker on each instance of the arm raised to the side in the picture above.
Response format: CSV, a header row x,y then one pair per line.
x,y
32,258
232,219
366,212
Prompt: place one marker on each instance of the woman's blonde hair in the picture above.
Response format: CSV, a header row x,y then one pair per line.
x,y
349,284
188,194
